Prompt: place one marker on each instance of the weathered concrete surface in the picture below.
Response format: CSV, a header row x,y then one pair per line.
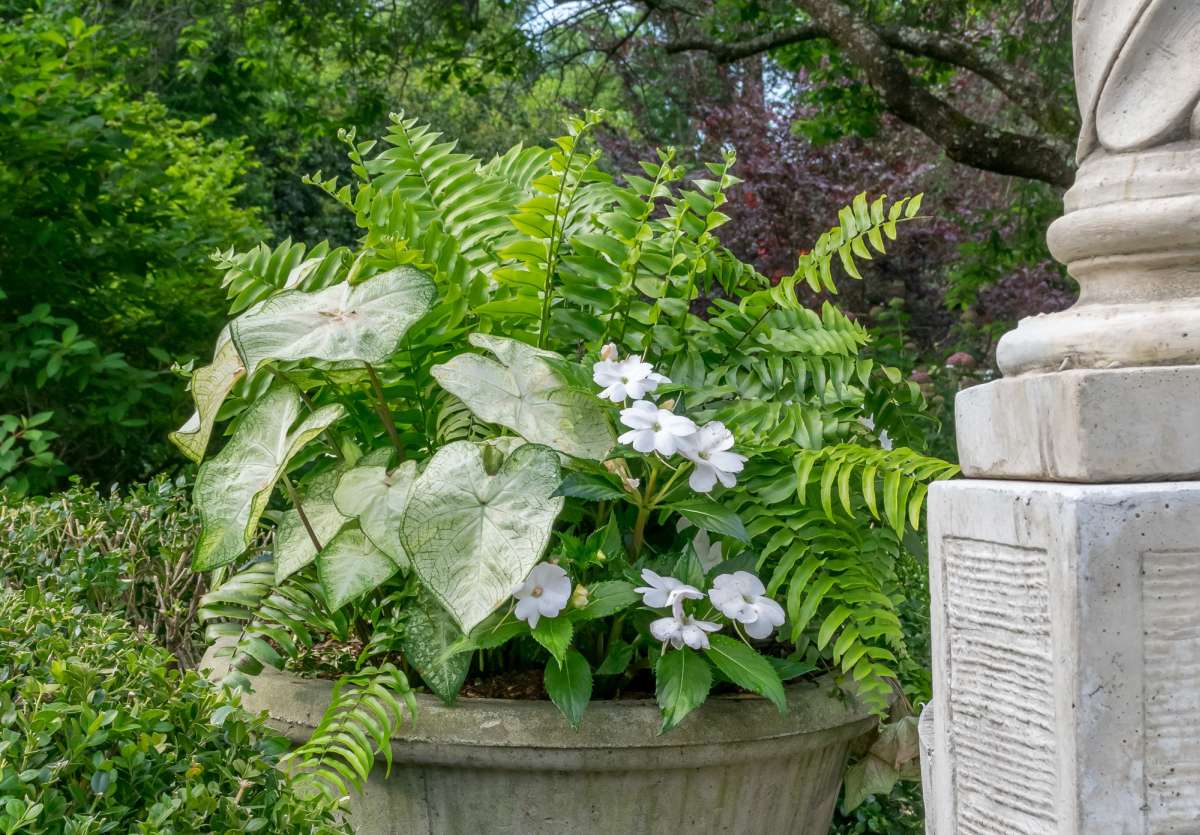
x,y
494,767
1066,658
1131,424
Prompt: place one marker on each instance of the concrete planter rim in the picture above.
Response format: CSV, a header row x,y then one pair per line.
x,y
614,735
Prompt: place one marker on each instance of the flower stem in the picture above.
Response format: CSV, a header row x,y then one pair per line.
x,y
385,414
644,508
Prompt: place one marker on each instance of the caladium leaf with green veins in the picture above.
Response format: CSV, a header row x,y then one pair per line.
x,y
473,537
232,488
378,498
210,386
350,566
294,548
429,633
360,322
524,393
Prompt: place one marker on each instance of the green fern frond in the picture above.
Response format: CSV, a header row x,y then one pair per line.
x,y
473,208
268,623
859,224
252,276
366,710
900,476
518,166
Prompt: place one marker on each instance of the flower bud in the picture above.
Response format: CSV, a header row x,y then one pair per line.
x,y
579,597
609,352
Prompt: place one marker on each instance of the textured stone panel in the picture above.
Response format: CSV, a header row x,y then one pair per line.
x,y
1001,693
1171,636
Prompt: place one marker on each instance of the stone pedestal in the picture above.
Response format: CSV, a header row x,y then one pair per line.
x,y
1067,628
1065,570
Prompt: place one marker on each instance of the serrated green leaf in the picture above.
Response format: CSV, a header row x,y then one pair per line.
x,y
747,669
569,685
711,516
554,634
606,598
682,681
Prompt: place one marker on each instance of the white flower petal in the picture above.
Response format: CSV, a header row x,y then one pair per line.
x,y
703,477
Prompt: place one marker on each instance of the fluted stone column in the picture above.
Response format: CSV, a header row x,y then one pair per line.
x,y
1065,569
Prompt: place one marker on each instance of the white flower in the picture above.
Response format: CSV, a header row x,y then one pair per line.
x,y
652,428
682,629
742,597
709,449
543,594
660,592
629,378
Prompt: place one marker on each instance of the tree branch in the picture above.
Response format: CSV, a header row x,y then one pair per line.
x,y
964,139
727,52
1017,88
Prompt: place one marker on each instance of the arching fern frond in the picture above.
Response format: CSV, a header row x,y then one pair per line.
x,y
900,477
859,224
367,708
267,623
518,166
253,275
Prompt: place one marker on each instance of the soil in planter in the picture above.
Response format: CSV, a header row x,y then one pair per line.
x,y
331,659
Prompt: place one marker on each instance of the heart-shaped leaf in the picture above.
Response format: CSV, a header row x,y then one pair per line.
x,y
210,386
363,322
429,633
524,393
378,499
350,566
473,537
232,489
294,547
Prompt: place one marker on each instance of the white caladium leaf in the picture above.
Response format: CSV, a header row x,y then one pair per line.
x,y
210,386
350,566
473,537
523,393
232,488
294,548
378,499
363,322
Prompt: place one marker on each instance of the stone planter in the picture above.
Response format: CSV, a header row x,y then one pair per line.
x,y
497,767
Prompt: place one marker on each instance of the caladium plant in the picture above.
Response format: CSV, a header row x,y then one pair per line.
x,y
497,435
